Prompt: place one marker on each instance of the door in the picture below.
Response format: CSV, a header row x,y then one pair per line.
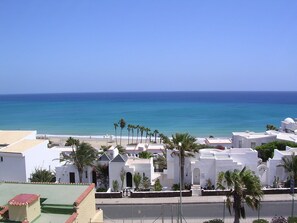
x,y
196,176
72,177
129,179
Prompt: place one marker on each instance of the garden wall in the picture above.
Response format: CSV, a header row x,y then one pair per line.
x,y
187,193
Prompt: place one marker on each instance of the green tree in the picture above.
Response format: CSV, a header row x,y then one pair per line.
x,y
242,186
102,172
145,155
122,124
141,129
147,131
271,127
290,166
42,175
146,183
183,145
72,142
122,176
137,180
156,133
83,156
266,151
116,125
129,130
115,185
121,149
158,186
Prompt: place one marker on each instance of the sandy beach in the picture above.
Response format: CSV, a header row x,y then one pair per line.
x,y
95,141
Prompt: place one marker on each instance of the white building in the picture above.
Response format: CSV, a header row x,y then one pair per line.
x,y
21,153
289,125
251,139
205,166
131,166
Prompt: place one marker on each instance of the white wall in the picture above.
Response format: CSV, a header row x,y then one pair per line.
x,y
63,174
12,168
247,141
40,156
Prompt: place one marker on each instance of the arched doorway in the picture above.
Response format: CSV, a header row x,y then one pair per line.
x,y
196,176
129,179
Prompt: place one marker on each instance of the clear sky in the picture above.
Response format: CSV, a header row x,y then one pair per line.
x,y
147,45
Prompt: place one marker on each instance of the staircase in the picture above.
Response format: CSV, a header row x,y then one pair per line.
x,y
196,190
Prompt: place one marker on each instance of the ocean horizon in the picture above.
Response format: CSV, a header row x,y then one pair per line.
x,y
200,113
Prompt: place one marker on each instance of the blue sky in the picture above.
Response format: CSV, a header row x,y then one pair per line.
x,y
158,45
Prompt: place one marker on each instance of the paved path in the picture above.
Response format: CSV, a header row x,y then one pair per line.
x,y
175,200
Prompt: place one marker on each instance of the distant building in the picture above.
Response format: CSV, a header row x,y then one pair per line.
x,y
41,203
251,139
289,125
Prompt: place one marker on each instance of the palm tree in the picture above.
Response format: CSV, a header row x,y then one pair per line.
x,y
42,175
132,129
156,133
83,156
145,155
290,166
115,131
72,142
137,132
147,131
122,124
242,186
141,128
129,129
183,145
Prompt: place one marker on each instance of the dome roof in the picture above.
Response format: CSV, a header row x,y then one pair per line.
x,y
289,120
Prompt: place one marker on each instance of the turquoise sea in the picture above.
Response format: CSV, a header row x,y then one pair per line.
x,y
198,113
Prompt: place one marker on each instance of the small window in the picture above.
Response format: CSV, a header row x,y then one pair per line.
x,y
86,174
253,144
1,158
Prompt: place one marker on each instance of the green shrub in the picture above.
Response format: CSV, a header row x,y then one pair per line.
x,y
101,189
260,221
115,185
292,219
279,219
158,186
175,187
214,221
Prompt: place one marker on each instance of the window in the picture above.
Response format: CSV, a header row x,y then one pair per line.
x,y
253,144
1,158
86,174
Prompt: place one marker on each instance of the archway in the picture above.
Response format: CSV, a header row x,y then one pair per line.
x,y
129,179
196,176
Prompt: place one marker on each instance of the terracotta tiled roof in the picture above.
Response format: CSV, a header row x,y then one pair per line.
x,y
23,199
3,209
72,218
84,194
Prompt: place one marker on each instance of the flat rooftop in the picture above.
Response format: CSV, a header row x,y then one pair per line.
x,y
55,194
9,137
22,146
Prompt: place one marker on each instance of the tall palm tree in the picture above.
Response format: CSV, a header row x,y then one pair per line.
x,y
137,132
72,142
141,128
129,129
156,133
147,131
83,156
183,145
116,125
242,186
290,166
132,130
122,124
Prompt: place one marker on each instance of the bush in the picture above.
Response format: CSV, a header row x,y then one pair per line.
x,y
260,221
175,187
158,186
279,219
214,221
101,189
115,185
292,219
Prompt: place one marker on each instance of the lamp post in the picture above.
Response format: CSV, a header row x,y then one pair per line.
x,y
180,184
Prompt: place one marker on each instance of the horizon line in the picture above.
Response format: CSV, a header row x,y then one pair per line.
x,y
125,92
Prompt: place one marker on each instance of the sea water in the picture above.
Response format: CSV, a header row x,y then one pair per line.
x,y
199,113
